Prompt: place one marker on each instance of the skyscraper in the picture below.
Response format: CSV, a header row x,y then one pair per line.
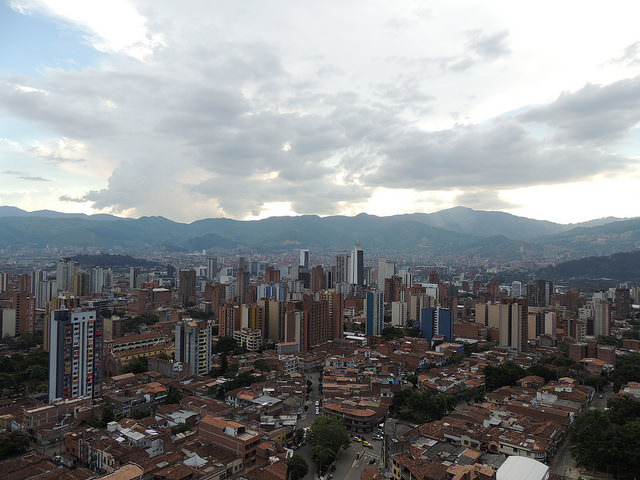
x,y
193,345
304,258
356,268
436,321
187,286
385,270
212,267
75,354
66,269
374,312
342,268
134,277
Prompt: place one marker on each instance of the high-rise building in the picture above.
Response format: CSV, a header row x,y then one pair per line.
x,y
229,316
242,283
516,289
436,321
134,277
4,282
81,284
386,270
342,268
66,269
374,313
187,286
304,258
514,324
539,293
96,279
356,268
75,354
25,305
318,279
399,314
212,267
193,345
272,275
601,317
45,292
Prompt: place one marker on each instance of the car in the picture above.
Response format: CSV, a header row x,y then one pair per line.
x,y
317,403
367,444
317,411
356,439
372,461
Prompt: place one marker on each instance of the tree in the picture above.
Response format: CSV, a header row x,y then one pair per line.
x,y
180,428
262,365
137,365
224,345
413,379
421,407
542,371
297,467
107,416
627,370
389,333
298,435
323,457
329,432
503,375
173,395
14,443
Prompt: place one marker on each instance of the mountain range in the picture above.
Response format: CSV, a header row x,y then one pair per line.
x,y
455,231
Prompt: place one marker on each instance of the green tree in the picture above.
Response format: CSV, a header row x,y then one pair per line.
x,y
503,375
13,443
322,457
224,345
329,432
107,416
297,467
413,379
180,428
627,370
623,410
389,333
262,365
421,407
173,395
137,365
298,436
542,371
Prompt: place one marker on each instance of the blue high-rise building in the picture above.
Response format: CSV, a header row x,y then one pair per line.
x,y
436,321
374,312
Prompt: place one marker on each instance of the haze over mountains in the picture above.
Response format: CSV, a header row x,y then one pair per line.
x,y
455,231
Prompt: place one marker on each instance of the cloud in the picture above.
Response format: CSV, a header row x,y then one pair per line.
x,y
488,47
67,198
504,156
483,200
25,176
197,128
630,55
594,115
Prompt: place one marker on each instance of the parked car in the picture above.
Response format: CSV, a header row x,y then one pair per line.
x,y
356,439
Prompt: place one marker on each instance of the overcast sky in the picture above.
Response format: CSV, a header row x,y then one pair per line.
x,y
248,109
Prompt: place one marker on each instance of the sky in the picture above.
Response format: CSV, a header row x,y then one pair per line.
x,y
249,109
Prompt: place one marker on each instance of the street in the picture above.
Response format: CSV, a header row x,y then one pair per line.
x,y
562,463
347,466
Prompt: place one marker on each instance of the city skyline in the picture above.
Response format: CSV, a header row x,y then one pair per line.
x,y
143,109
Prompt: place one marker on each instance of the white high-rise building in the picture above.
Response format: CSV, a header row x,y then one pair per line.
x,y
75,354
135,277
356,266
399,314
516,289
342,268
385,270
